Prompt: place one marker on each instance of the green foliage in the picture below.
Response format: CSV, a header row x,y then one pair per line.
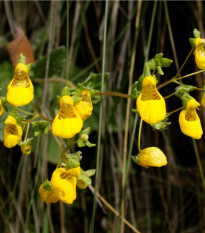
x,y
85,176
22,58
57,63
47,186
135,158
41,127
73,160
196,33
65,91
83,138
161,125
39,36
28,141
6,75
136,88
183,93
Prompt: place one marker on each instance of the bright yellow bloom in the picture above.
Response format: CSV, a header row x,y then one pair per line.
x,y
189,121
63,182
84,108
81,184
150,104
152,157
20,89
67,122
26,149
12,132
2,110
200,53
203,101
48,196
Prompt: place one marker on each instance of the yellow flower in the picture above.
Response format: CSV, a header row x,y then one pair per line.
x,y
48,196
200,53
63,182
152,156
203,101
150,104
12,132
2,110
26,149
67,122
189,121
84,108
81,184
20,89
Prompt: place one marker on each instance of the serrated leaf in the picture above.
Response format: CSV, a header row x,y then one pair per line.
x,y
89,173
72,163
57,63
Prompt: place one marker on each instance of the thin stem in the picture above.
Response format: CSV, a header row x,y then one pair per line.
x,y
39,115
166,97
67,37
139,134
199,163
113,210
26,135
176,110
21,110
100,120
115,94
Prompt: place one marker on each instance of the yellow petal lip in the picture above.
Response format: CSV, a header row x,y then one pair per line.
x,y
67,122
48,196
21,69
150,104
64,182
203,101
84,108
200,53
2,110
152,157
12,132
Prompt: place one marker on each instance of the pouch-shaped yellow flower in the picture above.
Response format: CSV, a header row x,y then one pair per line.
x,y
84,108
203,101
12,132
189,121
150,104
20,89
2,110
67,122
81,184
48,196
200,53
152,157
26,149
63,182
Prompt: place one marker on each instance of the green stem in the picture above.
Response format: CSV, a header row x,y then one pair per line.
x,y
100,121
115,94
139,134
176,110
67,38
199,163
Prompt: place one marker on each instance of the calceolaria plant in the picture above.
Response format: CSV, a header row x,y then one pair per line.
x,y
76,104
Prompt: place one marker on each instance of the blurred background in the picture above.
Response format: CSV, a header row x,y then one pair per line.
x,y
168,199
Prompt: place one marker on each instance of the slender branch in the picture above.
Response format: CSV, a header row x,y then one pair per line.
x,y
55,80
39,115
113,210
115,94
176,110
166,97
139,134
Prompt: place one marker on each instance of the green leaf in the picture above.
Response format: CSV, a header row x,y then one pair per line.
x,y
47,186
90,172
158,56
152,64
165,62
29,66
181,90
54,151
80,143
134,90
76,99
161,125
146,70
65,91
6,75
88,144
94,81
27,142
135,159
192,42
41,127
22,58
72,163
85,131
159,70
57,63
77,156
40,35
20,118
196,33
4,103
